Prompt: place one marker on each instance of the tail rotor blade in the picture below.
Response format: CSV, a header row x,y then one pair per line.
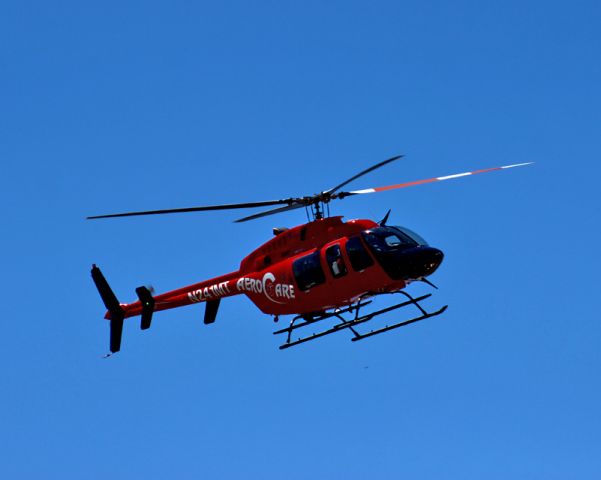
x,y
112,305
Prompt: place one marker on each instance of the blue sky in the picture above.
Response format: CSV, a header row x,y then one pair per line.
x,y
114,106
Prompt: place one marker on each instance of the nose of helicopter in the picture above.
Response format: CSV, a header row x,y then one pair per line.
x,y
422,261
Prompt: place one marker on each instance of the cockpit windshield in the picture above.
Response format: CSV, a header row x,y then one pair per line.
x,y
410,233
384,239
394,248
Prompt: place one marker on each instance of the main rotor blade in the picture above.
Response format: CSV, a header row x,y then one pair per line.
x,y
196,209
428,180
271,212
364,172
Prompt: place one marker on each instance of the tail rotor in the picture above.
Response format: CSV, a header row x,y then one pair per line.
x,y
117,315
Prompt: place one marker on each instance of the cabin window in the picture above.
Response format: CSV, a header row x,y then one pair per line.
x,y
308,272
335,261
358,256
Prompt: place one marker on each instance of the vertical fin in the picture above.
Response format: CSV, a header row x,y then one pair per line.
x,y
116,333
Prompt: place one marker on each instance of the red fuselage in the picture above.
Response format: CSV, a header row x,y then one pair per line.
x,y
310,268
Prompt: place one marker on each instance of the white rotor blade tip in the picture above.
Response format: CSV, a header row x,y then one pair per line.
x,y
518,165
367,190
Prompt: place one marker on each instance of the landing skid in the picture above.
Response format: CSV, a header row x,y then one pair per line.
x,y
357,320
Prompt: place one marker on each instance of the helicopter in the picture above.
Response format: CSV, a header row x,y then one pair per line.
x,y
325,269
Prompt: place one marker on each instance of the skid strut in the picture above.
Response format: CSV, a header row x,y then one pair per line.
x,y
357,320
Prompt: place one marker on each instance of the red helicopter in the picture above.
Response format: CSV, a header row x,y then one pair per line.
x,y
326,269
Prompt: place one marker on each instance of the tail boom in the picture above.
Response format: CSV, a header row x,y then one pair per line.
x,y
213,289
210,291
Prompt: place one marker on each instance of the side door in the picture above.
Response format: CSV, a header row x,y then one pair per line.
x,y
350,269
364,274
